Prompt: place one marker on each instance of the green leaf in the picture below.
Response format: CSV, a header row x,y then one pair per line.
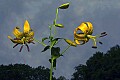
x,y
46,48
54,42
54,63
64,6
55,52
59,25
43,39
51,37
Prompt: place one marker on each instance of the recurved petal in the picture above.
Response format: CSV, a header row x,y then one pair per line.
x,y
90,27
80,36
10,37
80,42
15,40
31,34
77,42
26,27
83,27
86,27
16,32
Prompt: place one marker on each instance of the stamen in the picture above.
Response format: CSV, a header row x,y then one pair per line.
x,y
27,47
94,42
15,45
21,48
103,35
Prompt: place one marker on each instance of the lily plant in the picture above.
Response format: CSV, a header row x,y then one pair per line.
x,y
80,38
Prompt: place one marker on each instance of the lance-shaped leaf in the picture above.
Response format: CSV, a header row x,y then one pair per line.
x,y
43,39
64,6
55,41
59,25
46,48
71,43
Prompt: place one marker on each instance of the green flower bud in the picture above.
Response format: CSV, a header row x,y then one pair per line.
x,y
59,25
70,42
64,6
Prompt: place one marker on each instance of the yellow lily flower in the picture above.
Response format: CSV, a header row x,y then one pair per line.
x,y
23,37
86,30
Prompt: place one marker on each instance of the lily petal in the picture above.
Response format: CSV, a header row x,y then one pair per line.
x,y
77,42
86,27
90,27
30,34
17,33
15,41
26,27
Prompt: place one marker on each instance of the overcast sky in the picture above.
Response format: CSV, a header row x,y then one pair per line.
x,y
103,14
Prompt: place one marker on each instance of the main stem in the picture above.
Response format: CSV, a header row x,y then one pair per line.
x,y
51,68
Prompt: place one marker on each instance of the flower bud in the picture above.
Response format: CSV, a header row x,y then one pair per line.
x,y
59,25
64,6
70,42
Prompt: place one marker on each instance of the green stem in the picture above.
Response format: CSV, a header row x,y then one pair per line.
x,y
51,68
40,42
65,49
55,21
56,17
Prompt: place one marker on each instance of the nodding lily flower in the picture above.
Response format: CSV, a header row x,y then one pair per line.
x,y
86,30
23,37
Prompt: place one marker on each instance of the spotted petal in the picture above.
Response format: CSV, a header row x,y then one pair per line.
x,y
86,27
30,34
17,33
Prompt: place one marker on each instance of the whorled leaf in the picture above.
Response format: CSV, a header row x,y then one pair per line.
x,y
54,41
46,48
43,39
55,51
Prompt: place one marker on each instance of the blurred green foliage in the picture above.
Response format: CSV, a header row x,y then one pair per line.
x,y
100,66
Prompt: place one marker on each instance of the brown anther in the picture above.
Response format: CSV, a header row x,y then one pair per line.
x,y
94,47
100,42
